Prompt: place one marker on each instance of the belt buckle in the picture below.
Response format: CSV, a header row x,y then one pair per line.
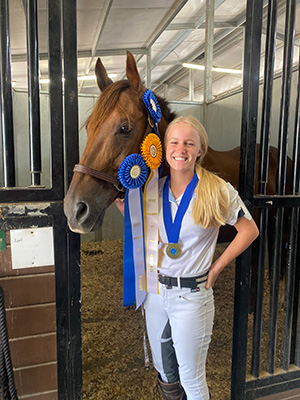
x,y
167,281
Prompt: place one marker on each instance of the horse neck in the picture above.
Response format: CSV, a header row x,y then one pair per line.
x,y
162,127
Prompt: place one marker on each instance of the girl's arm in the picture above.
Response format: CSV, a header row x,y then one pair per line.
x,y
247,232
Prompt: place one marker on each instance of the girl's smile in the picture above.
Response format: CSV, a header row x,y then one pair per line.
x,y
182,147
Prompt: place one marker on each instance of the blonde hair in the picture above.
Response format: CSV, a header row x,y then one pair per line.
x,y
211,206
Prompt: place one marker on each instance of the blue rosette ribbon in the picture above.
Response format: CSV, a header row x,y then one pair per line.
x,y
133,173
152,105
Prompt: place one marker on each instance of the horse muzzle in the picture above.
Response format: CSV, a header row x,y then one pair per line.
x,y
85,210
81,216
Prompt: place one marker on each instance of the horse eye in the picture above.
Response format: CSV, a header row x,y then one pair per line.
x,y
124,129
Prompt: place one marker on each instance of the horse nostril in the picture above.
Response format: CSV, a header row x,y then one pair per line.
x,y
82,211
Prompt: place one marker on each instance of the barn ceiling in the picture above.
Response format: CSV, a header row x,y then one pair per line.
x,y
161,34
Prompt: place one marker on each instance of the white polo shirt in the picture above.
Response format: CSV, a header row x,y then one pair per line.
x,y
197,244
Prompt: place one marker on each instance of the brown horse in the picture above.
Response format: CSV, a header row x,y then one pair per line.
x,y
116,129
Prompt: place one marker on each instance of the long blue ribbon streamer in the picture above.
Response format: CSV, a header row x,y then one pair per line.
x,y
128,263
173,228
131,291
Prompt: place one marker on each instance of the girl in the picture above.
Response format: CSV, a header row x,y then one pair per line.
x,y
193,204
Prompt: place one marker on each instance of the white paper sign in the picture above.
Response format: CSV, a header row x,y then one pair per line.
x,y
32,247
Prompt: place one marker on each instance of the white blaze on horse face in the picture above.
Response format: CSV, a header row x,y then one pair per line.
x,y
182,147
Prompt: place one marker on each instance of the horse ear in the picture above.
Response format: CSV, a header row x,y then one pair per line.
x,y
102,78
132,73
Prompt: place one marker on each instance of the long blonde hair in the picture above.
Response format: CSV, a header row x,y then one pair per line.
x,y
211,206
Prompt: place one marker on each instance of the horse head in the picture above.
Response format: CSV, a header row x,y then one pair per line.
x,y
115,129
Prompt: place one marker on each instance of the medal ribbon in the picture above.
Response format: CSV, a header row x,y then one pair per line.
x,y
173,228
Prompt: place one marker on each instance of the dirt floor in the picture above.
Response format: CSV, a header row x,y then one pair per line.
x,y
113,353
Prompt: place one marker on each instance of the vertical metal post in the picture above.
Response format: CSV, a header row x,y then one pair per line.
x,y
296,190
55,95
33,92
72,156
209,42
291,322
166,87
64,370
70,87
148,69
246,188
6,98
191,84
263,178
286,91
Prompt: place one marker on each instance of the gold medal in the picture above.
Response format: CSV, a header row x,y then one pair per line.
x,y
173,250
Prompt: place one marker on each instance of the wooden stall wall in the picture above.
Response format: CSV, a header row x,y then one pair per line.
x,y
29,296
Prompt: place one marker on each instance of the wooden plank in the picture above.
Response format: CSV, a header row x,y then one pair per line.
x,y
28,290
6,266
33,350
41,396
32,320
37,379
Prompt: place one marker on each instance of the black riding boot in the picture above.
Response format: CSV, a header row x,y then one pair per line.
x,y
171,391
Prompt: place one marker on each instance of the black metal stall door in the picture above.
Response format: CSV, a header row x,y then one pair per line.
x,y
277,264
36,205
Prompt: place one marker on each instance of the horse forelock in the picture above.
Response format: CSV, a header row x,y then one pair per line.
x,y
106,103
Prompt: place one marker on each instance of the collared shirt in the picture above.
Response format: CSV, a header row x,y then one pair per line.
x,y
197,244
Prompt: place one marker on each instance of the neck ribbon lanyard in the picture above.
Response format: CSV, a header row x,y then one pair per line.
x,y
173,228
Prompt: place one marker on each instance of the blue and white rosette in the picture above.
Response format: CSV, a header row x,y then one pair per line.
x,y
133,173
152,105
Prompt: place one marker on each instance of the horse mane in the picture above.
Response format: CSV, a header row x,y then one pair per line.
x,y
108,101
165,109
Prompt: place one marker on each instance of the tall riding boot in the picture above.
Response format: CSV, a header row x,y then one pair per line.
x,y
171,391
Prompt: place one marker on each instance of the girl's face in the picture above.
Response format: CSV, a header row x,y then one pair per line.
x,y
182,147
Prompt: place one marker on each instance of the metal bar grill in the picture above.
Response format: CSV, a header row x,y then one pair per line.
x,y
281,180
7,129
55,95
246,188
263,179
66,243
33,92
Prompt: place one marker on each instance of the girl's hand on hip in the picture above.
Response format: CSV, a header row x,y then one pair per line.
x,y
212,276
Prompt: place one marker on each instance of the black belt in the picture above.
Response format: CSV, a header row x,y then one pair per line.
x,y
191,283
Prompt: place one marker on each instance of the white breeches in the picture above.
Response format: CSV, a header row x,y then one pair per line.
x,y
179,325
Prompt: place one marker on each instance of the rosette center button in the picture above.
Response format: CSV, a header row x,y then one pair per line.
x,y
153,151
135,172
